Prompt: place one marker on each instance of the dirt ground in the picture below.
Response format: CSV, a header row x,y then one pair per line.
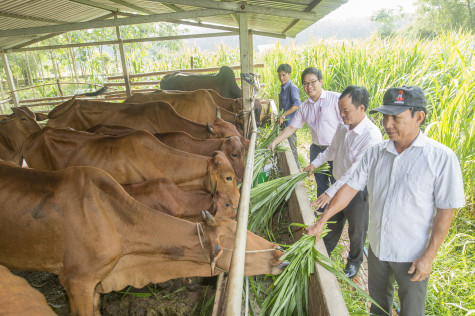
x,y
174,298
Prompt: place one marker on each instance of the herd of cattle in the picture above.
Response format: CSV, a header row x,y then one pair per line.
x,y
119,194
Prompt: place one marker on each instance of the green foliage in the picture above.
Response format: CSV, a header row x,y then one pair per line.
x,y
387,19
437,16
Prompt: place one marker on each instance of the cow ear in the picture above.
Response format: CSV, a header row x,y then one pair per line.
x,y
41,116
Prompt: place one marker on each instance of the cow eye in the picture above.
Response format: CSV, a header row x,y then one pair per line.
x,y
229,178
23,119
234,155
228,204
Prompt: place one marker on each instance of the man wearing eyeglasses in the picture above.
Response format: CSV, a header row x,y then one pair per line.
x,y
320,112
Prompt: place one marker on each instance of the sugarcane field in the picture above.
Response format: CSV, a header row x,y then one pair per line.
x,y
208,158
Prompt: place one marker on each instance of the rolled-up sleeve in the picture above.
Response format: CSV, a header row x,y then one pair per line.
x,y
295,95
448,187
359,177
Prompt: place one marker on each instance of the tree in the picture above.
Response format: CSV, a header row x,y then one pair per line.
x,y
387,19
434,16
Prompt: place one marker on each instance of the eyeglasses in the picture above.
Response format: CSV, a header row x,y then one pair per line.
x,y
312,83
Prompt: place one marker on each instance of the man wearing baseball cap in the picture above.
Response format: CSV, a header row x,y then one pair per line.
x,y
414,184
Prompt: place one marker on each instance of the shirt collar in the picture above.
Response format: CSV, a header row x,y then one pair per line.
x,y
360,127
420,141
286,85
323,95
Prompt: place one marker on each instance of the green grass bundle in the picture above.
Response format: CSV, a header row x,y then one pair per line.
x,y
261,157
288,295
267,135
268,196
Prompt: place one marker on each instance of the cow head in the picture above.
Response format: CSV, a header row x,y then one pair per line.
x,y
235,151
222,207
223,178
221,234
20,124
221,129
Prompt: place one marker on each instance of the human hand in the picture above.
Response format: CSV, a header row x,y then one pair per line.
x,y
272,146
321,201
316,229
280,120
309,169
422,267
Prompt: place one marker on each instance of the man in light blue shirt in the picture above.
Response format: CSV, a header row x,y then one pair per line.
x,y
289,102
414,184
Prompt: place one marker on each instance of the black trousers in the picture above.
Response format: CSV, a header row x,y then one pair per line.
x,y
357,214
323,180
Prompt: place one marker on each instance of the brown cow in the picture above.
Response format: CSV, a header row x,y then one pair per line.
x,y
165,196
230,146
14,130
154,117
80,224
196,105
224,82
17,297
131,158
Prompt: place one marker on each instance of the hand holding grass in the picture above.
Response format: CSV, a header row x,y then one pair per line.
x,y
316,229
321,201
309,169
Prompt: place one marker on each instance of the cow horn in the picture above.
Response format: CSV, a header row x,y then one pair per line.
x,y
210,129
208,218
218,112
218,251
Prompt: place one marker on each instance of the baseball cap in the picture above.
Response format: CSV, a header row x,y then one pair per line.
x,y
398,100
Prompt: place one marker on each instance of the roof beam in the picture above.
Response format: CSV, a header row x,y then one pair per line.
x,y
126,41
227,28
310,7
142,19
42,38
30,18
244,8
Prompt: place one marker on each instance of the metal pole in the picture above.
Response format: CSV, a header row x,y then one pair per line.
x,y
233,304
124,61
10,82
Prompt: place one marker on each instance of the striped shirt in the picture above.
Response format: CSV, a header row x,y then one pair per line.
x,y
322,117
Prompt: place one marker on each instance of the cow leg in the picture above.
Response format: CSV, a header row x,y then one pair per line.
x,y
81,296
97,302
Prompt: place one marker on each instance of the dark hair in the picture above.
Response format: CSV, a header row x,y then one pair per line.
x,y
312,70
284,67
359,96
415,109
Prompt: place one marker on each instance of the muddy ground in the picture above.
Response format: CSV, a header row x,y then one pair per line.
x,y
186,297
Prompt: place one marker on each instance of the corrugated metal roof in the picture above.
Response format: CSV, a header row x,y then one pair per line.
x,y
25,14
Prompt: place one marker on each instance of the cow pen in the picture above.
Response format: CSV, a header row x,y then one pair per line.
x,y
325,297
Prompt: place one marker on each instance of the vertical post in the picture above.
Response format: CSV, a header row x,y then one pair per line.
x,y
59,87
10,82
251,52
236,272
124,61
191,62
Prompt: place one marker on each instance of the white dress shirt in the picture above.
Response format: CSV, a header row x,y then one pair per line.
x,y
322,117
404,192
347,149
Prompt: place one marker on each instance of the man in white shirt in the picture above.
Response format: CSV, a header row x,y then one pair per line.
x,y
352,138
320,112
414,183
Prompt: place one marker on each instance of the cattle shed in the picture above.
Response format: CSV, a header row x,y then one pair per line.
x,y
24,23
